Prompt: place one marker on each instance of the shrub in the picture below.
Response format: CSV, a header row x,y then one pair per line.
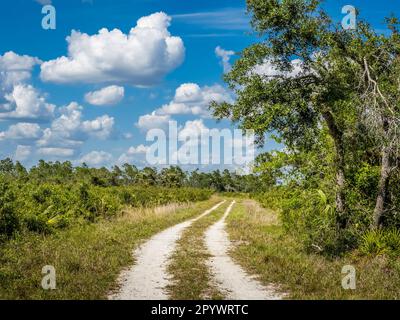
x,y
309,215
381,241
392,240
45,207
9,220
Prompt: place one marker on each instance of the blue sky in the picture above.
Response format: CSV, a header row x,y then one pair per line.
x,y
107,125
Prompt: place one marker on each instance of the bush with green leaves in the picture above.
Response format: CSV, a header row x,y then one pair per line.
x,y
45,207
380,242
9,222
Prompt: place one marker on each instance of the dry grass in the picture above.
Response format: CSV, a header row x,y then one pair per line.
x,y
169,208
259,214
135,214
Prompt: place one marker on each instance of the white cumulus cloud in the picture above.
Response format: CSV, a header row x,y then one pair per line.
x,y
193,129
110,95
70,131
140,149
153,121
189,99
133,154
22,131
19,100
100,127
96,158
15,69
142,57
25,102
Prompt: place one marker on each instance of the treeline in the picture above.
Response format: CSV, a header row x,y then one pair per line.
x,y
55,195
129,175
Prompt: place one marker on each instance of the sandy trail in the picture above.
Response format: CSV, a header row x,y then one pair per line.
x,y
232,280
148,278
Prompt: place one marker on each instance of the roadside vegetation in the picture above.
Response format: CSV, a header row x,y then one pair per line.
x,y
54,196
267,251
88,258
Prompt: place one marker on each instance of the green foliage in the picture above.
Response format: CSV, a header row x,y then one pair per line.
x,y
56,196
9,223
308,214
381,241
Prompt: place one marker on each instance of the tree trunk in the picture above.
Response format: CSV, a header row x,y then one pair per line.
x,y
337,136
340,183
382,188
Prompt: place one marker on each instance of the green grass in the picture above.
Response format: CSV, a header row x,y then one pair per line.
x,y
264,249
191,277
88,258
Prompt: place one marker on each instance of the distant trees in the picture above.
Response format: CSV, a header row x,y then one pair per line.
x,y
131,173
8,219
172,177
127,174
7,166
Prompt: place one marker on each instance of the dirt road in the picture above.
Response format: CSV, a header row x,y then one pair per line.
x,y
148,278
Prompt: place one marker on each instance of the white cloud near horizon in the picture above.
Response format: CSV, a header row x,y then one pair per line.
x,y
133,154
56,152
22,152
96,158
190,98
153,121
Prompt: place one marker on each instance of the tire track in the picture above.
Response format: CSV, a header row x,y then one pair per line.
x,y
233,281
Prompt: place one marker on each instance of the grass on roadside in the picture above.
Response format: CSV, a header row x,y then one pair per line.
x,y
191,276
265,250
88,258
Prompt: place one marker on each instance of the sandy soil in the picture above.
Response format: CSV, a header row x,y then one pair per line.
x,y
232,280
148,278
